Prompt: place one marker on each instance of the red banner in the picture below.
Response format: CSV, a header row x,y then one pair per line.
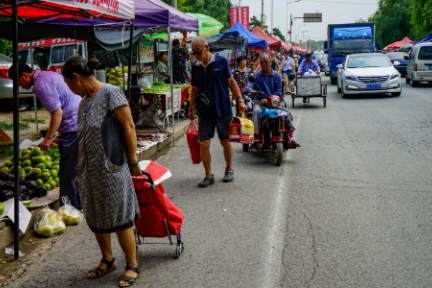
x,y
48,42
245,17
235,17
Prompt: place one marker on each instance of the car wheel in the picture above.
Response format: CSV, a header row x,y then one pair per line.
x,y
333,81
407,80
338,89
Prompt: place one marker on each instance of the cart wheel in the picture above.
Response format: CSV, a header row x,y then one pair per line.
x,y
308,100
245,147
324,101
292,105
179,249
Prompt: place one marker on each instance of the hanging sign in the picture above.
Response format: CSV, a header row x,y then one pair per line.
x,y
235,16
146,50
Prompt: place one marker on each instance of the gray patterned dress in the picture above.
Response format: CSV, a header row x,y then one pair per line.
x,y
104,180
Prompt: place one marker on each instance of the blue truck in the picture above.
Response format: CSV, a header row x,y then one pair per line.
x,y
344,39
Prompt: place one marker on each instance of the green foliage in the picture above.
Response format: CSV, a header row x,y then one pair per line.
x,y
277,32
33,120
361,20
255,22
421,18
394,17
9,126
218,9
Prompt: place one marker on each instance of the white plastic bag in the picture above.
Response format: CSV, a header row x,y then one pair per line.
x,y
70,214
49,223
310,73
145,120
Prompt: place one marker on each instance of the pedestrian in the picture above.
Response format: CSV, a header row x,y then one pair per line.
x,y
179,57
107,149
296,61
161,70
211,72
274,62
287,68
62,105
308,64
257,65
242,73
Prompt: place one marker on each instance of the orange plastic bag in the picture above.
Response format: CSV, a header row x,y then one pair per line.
x,y
193,142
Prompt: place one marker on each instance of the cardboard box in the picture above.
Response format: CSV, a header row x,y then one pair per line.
x,y
6,144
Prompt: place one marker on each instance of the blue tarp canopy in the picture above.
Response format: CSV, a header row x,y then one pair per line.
x,y
427,39
352,32
252,40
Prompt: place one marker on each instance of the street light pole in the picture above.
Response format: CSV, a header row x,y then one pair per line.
x,y
290,18
262,13
272,18
174,3
239,11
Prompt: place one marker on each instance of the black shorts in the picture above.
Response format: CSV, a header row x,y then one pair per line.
x,y
206,127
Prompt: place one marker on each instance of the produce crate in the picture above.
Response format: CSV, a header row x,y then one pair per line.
x,y
6,144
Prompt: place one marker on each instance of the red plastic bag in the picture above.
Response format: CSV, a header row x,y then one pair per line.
x,y
193,142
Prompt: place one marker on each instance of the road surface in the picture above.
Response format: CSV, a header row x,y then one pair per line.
x,y
350,208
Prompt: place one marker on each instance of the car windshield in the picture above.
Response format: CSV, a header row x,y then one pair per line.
x,y
368,61
318,56
425,53
324,58
342,47
397,55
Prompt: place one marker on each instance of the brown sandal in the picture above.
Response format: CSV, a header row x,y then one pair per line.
x,y
99,271
130,280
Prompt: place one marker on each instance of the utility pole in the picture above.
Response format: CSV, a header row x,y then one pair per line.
x,y
272,19
239,12
174,3
262,13
290,25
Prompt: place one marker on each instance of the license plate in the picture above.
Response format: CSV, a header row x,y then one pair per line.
x,y
373,86
430,67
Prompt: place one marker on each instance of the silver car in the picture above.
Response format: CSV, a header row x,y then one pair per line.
x,y
6,85
368,73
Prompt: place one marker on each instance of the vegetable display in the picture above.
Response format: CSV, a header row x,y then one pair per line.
x,y
38,173
161,87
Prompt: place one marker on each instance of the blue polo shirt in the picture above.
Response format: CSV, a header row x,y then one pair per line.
x,y
270,84
221,74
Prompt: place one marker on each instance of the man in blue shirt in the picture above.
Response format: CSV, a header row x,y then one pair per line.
x,y
208,65
269,82
307,64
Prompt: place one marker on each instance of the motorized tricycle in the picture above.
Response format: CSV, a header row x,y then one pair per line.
x,y
275,133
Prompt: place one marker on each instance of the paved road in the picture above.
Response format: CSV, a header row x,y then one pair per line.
x,y
350,208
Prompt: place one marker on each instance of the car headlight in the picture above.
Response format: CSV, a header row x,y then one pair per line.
x,y
349,77
395,76
396,63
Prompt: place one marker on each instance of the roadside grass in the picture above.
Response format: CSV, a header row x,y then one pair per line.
x,y
33,120
9,126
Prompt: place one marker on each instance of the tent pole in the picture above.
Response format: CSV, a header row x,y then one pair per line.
x,y
34,95
15,126
171,82
129,80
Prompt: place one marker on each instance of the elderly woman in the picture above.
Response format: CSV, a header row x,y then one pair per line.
x,y
107,159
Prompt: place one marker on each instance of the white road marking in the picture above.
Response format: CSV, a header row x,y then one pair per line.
x,y
278,217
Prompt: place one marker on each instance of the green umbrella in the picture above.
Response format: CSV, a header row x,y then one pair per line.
x,y
406,47
206,21
203,32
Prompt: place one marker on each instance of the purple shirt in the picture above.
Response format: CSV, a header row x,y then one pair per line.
x,y
303,68
53,93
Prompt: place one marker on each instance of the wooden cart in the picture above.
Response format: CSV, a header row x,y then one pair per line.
x,y
308,87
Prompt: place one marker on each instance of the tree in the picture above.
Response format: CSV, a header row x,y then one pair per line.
x,y
277,32
361,20
254,22
421,17
392,20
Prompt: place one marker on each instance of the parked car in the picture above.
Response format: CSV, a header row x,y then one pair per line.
x,y
368,73
399,62
6,85
322,60
419,67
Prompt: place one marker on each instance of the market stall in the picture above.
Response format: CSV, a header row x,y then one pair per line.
x,y
253,41
274,44
38,8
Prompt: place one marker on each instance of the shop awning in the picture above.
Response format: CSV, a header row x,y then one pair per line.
x,y
253,40
398,44
148,13
66,8
230,40
273,43
107,39
284,46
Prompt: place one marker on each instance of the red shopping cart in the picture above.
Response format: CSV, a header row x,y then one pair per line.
x,y
159,216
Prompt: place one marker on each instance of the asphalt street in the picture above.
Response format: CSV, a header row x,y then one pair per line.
x,y
350,208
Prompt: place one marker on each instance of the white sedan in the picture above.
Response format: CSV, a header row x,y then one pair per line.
x,y
368,73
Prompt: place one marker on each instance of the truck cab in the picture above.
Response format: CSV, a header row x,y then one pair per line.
x,y
345,39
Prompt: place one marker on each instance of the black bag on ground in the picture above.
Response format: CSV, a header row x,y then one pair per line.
x,y
204,101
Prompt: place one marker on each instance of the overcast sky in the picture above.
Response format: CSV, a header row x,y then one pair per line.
x,y
334,12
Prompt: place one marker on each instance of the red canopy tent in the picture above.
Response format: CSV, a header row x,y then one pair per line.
x,y
284,45
274,44
399,44
112,9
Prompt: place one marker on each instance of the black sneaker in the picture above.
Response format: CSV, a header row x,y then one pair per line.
x,y
207,182
229,176
295,144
